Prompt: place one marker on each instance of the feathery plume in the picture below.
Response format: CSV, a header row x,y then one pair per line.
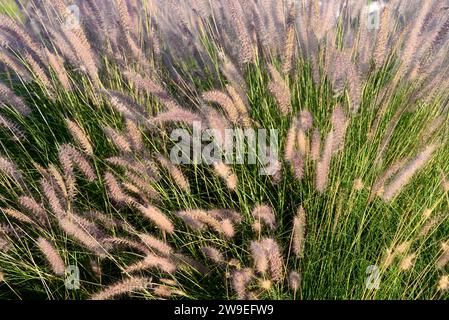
x,y
412,41
127,286
153,261
264,284
282,96
315,148
280,90
298,166
166,291
134,135
39,73
138,185
408,262
289,42
213,254
259,256
9,24
404,176
239,103
118,139
339,127
246,51
7,96
323,165
70,157
34,207
87,240
125,242
17,215
305,120
52,256
223,214
402,248
275,259
388,258
154,243
57,64
57,204
80,136
225,102
378,185
15,66
8,168
299,232
443,283
294,280
358,184
290,142
175,173
13,127
265,214
382,36
443,259
114,188
197,219
176,115
57,180
157,217
84,53
227,228
303,142
225,172
240,280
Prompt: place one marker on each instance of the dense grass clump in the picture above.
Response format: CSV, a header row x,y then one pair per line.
x,y
350,203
